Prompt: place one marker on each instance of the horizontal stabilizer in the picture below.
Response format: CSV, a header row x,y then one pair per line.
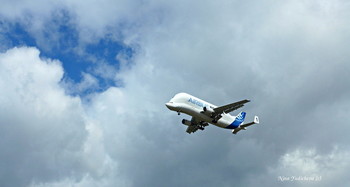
x,y
243,126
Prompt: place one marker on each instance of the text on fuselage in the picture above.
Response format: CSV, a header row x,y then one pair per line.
x,y
196,102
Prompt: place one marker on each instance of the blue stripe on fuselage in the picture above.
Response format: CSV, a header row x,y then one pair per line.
x,y
239,119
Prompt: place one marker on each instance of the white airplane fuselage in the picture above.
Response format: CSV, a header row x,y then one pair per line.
x,y
193,106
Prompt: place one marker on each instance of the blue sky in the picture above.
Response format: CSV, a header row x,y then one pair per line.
x,y
64,45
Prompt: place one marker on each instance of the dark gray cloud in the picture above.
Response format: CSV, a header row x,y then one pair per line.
x,y
289,58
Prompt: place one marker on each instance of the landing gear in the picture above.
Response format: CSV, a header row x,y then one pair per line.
x,y
178,113
202,125
216,118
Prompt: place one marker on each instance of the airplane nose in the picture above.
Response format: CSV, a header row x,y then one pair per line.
x,y
169,105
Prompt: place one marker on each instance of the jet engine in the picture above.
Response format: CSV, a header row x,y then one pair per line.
x,y
186,122
208,111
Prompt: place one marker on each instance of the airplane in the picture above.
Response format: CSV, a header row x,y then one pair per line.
x,y
204,113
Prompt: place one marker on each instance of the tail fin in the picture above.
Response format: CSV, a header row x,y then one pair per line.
x,y
238,121
240,117
243,126
256,120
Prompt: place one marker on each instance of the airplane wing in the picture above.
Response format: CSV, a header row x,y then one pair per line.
x,y
195,125
230,107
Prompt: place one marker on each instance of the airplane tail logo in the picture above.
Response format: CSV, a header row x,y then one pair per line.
x,y
238,121
240,117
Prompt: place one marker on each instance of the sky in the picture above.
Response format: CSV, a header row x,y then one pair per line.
x,y
83,86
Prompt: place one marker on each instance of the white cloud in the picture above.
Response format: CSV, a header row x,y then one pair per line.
x,y
307,167
46,135
88,83
41,126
